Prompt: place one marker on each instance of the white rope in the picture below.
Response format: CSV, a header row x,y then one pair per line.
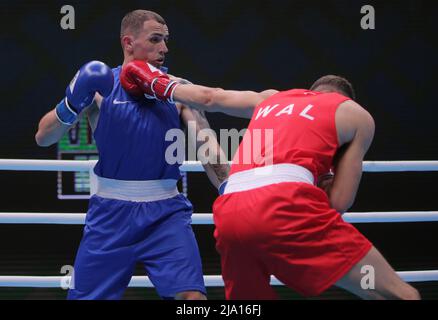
x,y
399,166
392,216
207,218
46,165
195,166
41,218
143,281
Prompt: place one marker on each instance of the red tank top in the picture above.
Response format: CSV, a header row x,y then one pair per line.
x,y
301,126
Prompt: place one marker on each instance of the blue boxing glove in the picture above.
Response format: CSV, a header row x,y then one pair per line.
x,y
94,76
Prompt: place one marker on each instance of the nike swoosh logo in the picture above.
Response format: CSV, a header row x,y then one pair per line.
x,y
115,101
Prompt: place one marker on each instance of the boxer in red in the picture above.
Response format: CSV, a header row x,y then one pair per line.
x,y
283,216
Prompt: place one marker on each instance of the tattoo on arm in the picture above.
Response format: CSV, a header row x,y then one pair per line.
x,y
221,170
219,164
201,119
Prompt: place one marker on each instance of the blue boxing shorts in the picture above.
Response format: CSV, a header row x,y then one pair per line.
x,y
118,234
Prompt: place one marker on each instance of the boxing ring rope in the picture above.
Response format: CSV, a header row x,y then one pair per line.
x,y
144,282
195,166
199,218
207,218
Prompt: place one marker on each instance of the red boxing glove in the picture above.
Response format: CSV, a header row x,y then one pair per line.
x,y
139,77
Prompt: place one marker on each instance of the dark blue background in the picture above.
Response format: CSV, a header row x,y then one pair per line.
x,y
236,45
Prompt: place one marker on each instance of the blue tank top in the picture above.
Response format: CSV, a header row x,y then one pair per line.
x,y
130,137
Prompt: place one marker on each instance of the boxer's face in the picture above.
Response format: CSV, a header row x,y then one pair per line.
x,y
150,43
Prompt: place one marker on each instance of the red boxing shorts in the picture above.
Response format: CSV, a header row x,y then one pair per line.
x,y
287,230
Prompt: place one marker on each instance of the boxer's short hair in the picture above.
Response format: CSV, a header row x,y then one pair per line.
x,y
336,82
133,21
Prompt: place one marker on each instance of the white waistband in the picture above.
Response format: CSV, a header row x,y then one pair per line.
x,y
263,176
138,191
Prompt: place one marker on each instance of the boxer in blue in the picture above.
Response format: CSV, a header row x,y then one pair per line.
x,y
137,214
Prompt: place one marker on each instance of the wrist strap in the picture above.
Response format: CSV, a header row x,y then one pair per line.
x,y
65,114
163,88
174,85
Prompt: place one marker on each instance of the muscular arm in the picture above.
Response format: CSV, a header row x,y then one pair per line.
x,y
51,130
234,103
356,130
215,162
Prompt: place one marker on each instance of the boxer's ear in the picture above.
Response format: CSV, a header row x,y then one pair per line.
x,y
127,44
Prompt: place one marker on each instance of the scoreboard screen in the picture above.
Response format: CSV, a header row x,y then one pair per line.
x,y
77,144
